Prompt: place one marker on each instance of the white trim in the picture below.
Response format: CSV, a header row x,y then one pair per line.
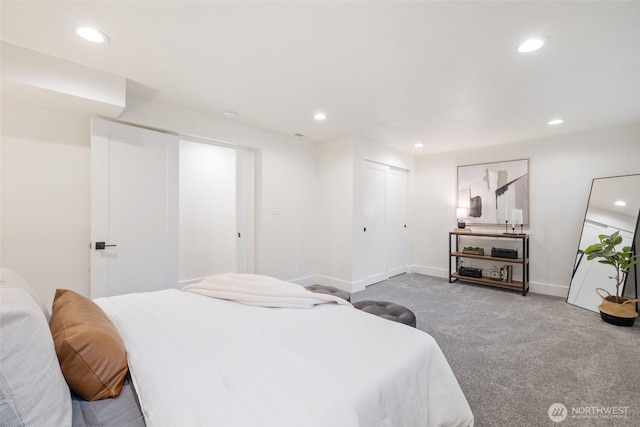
x,y
549,289
429,271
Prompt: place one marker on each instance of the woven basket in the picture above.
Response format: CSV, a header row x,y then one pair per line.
x,y
617,306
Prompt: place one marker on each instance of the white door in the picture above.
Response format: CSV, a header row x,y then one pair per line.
x,y
396,221
374,238
134,209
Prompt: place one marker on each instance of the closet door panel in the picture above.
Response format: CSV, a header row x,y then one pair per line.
x,y
396,222
374,238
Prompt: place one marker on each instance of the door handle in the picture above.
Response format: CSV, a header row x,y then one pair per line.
x,y
101,246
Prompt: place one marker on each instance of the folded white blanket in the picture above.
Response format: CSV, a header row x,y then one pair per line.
x,y
263,291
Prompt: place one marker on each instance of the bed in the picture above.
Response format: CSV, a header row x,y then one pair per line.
x,y
273,354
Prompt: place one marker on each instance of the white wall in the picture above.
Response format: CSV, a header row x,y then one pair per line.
x,y
45,197
335,209
561,170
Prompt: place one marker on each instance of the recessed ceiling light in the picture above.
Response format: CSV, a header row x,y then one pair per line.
x,y
555,122
92,35
418,145
530,45
320,116
620,203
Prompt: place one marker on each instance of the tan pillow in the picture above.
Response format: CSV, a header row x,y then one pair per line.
x,y
90,351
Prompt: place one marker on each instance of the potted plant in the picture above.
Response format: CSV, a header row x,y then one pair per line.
x,y
615,309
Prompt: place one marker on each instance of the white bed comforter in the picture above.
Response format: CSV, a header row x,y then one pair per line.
x,y
199,361
262,291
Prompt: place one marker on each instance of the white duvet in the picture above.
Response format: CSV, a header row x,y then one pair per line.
x,y
263,291
200,361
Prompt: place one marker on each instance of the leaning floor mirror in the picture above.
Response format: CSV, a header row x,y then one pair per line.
x,y
614,205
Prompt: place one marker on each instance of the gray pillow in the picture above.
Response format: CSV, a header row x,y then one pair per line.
x,y
11,279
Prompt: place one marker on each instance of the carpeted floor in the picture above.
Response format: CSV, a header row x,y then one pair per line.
x,y
516,356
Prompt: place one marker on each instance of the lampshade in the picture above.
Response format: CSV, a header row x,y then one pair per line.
x,y
461,212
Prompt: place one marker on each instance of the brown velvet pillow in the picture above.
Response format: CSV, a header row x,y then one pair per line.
x,y
90,351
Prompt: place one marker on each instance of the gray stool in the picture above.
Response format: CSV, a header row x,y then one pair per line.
x,y
388,310
330,290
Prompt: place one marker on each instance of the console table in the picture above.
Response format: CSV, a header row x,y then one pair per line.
x,y
456,255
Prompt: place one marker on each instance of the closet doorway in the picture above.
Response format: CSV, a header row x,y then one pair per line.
x,y
216,210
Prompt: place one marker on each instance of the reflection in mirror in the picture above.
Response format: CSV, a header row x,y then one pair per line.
x,y
605,216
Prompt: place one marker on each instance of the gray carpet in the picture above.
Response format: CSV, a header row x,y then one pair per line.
x,y
515,356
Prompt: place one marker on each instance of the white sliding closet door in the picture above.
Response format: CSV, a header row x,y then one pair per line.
x,y
396,222
385,220
374,237
134,209
208,197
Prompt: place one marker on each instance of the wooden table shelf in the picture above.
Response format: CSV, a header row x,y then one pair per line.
x,y
456,256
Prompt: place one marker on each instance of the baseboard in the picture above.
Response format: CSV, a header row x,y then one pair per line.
x,y
549,289
343,284
429,271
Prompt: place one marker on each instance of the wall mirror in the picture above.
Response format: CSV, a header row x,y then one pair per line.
x,y
605,215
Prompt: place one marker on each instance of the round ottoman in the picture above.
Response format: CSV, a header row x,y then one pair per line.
x,y
322,289
388,310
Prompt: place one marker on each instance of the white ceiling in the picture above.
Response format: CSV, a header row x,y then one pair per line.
x,y
446,74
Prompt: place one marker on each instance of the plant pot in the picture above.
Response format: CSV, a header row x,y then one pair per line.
x,y
618,311
618,321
